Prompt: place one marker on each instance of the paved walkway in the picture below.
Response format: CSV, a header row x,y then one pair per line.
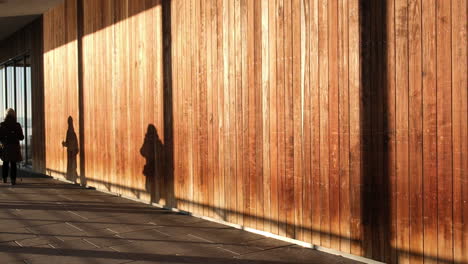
x,y
47,221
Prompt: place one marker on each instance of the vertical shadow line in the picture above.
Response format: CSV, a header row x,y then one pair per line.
x,y
80,34
168,110
375,194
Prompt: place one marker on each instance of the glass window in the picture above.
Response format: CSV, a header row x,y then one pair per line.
x,y
20,102
28,127
10,87
2,91
15,92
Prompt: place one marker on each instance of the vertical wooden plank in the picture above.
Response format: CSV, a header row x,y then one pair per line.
x,y
177,110
188,106
245,113
183,178
258,95
120,49
251,112
209,105
289,118
369,157
315,130
109,107
197,94
221,105
444,131
216,175
460,129
133,97
233,107
324,124
265,106
114,81
415,130
401,9
229,113
179,172
307,121
175,61
344,136
281,117
334,124
381,124
226,112
203,108
273,133
355,132
297,108
164,80
430,130
391,123
239,114
191,92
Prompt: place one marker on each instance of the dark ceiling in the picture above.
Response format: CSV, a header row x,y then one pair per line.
x,y
15,14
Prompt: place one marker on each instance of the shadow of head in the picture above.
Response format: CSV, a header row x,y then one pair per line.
x,y
70,122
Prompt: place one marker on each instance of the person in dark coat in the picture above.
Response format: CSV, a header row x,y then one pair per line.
x,y
10,135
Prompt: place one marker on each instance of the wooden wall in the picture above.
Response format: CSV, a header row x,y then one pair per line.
x,y
61,86
122,59
121,83
339,123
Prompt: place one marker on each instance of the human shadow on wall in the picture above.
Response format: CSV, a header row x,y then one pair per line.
x,y
153,152
72,149
375,134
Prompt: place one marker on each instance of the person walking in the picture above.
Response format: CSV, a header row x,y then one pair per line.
x,y
10,135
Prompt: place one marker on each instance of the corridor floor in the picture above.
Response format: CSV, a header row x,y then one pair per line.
x,y
47,221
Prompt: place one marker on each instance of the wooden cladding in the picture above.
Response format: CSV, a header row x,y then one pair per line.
x,y
61,89
339,123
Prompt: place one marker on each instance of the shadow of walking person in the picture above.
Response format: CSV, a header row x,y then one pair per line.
x,y
71,143
152,151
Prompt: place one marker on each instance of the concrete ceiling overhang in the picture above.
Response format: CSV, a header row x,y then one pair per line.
x,y
15,14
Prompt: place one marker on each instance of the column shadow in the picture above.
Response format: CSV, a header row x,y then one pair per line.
x,y
375,134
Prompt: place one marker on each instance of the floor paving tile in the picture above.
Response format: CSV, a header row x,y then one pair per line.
x,y
8,235
46,221
13,253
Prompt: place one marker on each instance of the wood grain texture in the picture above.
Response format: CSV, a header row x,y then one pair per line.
x,y
444,131
402,151
324,123
60,103
390,96
415,129
460,133
342,123
355,106
430,130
